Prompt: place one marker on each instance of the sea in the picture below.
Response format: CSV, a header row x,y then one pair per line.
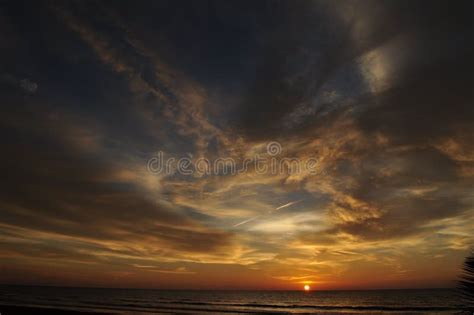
x,y
138,301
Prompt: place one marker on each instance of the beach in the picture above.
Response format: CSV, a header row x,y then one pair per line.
x,y
12,309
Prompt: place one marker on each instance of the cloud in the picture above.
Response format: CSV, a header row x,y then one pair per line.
x,y
28,86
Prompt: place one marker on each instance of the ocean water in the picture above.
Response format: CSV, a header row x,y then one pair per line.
x,y
135,301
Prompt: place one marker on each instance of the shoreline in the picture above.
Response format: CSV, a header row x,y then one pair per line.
x,y
39,310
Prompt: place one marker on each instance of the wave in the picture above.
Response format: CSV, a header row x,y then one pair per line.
x,y
177,305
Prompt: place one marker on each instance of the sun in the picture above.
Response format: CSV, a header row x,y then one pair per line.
x,y
307,287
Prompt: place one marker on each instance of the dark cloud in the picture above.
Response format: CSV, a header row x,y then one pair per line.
x,y
311,44
429,104
59,180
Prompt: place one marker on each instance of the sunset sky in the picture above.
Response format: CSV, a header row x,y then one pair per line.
x,y
378,92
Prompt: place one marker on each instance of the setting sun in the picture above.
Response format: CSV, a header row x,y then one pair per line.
x,y
307,288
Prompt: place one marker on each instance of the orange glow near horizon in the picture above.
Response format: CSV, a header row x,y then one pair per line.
x,y
307,288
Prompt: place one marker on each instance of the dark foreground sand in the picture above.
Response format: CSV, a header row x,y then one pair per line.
x,y
23,310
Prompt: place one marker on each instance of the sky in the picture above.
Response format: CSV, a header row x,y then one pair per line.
x,y
377,94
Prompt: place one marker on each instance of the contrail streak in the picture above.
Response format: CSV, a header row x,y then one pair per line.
x,y
246,221
289,204
280,207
